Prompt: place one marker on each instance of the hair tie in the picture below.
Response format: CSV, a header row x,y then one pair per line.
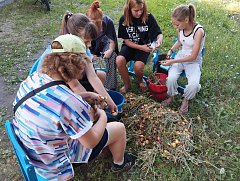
x,y
69,14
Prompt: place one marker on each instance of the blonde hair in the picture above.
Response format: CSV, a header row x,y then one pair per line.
x,y
181,12
127,11
95,13
67,65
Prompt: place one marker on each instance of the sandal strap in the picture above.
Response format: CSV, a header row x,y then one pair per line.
x,y
142,86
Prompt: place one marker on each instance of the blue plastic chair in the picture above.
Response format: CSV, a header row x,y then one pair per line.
x,y
38,62
27,169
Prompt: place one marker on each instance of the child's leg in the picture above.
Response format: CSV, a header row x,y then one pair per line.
x,y
116,140
123,71
139,69
140,58
101,75
173,75
172,85
184,106
117,144
193,74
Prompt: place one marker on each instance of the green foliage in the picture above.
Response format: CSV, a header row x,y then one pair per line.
x,y
27,28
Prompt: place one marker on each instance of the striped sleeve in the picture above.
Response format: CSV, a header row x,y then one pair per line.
x,y
75,117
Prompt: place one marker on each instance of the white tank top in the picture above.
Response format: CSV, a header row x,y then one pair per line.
x,y
187,44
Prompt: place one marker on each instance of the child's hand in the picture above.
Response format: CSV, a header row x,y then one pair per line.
x,y
158,43
112,106
99,112
95,58
107,54
95,99
169,54
167,62
146,48
103,102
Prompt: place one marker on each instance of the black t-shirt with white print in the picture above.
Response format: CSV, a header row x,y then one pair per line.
x,y
139,32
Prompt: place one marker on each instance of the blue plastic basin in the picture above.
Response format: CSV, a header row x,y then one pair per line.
x,y
119,100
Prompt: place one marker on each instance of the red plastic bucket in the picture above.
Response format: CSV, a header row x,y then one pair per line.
x,y
157,85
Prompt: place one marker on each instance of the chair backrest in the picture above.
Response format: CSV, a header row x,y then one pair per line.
x,y
38,62
27,169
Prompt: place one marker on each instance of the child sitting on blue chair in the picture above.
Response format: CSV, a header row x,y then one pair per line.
x,y
138,29
191,38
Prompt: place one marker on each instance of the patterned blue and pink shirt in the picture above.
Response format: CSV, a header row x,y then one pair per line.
x,y
49,125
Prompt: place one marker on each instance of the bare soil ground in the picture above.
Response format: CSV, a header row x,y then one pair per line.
x,y
8,164
9,169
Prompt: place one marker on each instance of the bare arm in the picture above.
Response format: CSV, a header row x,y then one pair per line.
x,y
159,41
108,53
176,45
76,86
196,48
98,86
131,44
80,90
91,138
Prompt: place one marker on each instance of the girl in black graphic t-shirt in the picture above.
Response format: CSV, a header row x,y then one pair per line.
x,y
138,29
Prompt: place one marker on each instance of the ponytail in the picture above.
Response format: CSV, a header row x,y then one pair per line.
x,y
64,29
183,11
191,14
78,24
95,13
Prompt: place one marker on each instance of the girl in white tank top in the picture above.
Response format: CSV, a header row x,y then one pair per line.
x,y
191,38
